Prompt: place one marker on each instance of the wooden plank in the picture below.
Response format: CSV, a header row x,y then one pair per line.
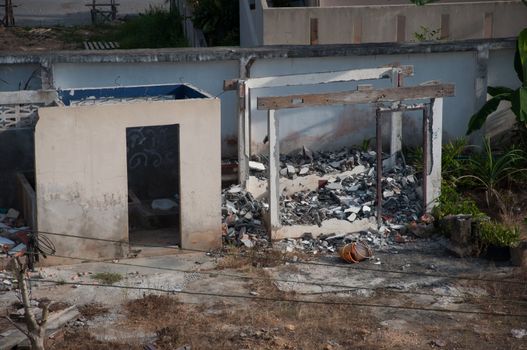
x,y
357,31
400,28
488,25
313,31
353,97
27,97
445,26
326,77
230,85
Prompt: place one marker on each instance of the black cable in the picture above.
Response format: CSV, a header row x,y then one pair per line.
x,y
217,273
239,296
354,267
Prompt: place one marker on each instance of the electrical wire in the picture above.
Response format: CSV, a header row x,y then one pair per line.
x,y
353,267
269,299
311,283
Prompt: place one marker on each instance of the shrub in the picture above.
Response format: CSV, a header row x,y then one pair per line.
x,y
153,29
497,234
451,202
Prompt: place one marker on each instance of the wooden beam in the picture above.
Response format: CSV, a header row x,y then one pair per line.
x,y
313,31
354,97
320,77
27,97
357,30
488,25
400,29
445,26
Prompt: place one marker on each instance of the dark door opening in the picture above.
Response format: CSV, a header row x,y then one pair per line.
x,y
152,154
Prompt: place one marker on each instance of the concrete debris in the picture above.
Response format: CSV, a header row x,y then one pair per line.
x,y
242,218
347,183
347,193
519,333
257,166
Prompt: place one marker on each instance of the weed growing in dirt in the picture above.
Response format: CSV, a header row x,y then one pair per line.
x,y
107,277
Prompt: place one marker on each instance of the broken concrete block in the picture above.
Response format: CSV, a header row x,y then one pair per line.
x,y
352,217
256,166
290,170
304,171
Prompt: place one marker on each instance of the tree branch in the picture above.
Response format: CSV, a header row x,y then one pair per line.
x,y
20,328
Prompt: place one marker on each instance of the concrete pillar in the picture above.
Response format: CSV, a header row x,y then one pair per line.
x,y
396,120
274,172
433,185
243,162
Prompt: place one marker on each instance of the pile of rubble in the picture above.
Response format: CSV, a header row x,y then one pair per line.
x,y
346,191
13,233
353,196
349,189
242,218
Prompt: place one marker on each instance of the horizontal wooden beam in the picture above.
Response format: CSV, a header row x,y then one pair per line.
x,y
321,77
27,97
353,97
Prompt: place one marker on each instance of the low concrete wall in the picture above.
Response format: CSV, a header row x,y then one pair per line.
x,y
81,173
389,23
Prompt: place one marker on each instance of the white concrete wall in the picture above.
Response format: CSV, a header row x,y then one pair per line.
x,y
81,172
291,26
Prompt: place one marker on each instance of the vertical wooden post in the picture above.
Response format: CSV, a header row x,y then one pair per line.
x,y
445,26
357,31
274,172
313,31
488,25
400,29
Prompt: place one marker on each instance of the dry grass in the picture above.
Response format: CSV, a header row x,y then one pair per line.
x,y
237,258
90,311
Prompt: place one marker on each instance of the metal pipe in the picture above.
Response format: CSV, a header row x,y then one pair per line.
x,y
426,150
379,166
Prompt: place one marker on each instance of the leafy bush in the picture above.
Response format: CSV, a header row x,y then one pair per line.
x,y
219,20
488,170
451,202
154,29
497,234
517,98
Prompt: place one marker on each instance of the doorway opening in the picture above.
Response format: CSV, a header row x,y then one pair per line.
x,y
152,154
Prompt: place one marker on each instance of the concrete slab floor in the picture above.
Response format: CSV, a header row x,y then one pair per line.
x,y
382,288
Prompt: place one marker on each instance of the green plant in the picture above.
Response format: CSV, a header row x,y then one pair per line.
x,y
497,234
453,164
219,21
517,98
427,34
107,277
451,202
488,171
153,29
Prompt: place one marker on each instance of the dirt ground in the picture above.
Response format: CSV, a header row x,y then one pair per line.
x,y
422,304
49,39
415,299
